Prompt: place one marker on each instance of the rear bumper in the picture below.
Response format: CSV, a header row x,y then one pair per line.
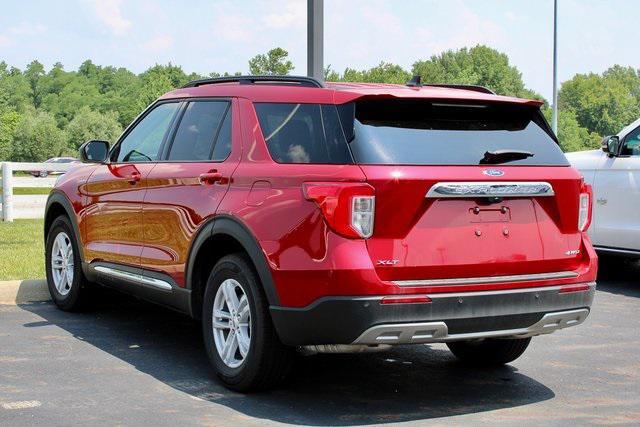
x,y
448,317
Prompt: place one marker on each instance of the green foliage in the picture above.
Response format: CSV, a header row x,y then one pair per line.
x,y
603,103
37,137
479,65
275,62
88,124
571,135
382,73
48,113
9,120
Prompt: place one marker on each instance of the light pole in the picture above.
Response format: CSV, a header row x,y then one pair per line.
x,y
554,118
315,35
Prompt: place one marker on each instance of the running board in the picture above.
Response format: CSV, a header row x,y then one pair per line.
x,y
430,332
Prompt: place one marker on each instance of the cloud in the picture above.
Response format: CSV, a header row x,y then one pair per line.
x,y
108,11
234,27
25,28
292,14
4,41
159,43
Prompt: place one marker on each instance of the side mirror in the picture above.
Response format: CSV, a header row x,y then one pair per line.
x,y
610,145
94,151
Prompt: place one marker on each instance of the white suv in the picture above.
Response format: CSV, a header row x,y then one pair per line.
x,y
614,173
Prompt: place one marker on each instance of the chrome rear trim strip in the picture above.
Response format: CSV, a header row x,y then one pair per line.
x,y
426,332
492,279
156,283
489,189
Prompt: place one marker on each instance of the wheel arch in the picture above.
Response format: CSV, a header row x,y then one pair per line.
x,y
220,236
58,204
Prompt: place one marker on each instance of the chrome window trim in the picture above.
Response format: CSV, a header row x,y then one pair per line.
x,y
490,189
156,283
488,279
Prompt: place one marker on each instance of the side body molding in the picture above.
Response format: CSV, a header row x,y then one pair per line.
x,y
225,225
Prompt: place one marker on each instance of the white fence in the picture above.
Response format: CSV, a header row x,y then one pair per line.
x,y
26,206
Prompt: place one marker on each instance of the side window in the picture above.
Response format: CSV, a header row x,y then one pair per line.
x,y
303,133
196,135
223,144
632,144
142,144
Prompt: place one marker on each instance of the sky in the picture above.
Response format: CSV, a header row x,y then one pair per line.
x,y
221,35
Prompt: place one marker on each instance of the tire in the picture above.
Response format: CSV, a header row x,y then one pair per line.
x,y
489,352
68,295
44,174
267,361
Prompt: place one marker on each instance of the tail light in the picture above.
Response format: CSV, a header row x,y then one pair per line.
x,y
584,208
348,208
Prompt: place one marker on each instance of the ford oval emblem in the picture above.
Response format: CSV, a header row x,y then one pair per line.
x,y
493,172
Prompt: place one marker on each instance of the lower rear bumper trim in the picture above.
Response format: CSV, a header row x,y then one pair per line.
x,y
430,332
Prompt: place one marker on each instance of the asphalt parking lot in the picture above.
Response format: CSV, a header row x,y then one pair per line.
x,y
131,363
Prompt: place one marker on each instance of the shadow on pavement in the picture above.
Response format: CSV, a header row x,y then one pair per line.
x,y
618,275
408,383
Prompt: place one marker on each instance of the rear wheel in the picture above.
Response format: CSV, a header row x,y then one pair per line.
x,y
489,352
67,284
239,336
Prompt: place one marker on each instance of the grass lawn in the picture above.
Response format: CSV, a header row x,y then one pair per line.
x,y
21,249
23,191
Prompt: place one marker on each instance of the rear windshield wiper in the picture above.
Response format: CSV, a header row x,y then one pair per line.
x,y
503,156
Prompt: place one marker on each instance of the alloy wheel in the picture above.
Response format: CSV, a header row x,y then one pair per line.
x,y
232,323
62,263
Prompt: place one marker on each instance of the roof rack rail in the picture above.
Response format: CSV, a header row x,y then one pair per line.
x,y
248,80
474,88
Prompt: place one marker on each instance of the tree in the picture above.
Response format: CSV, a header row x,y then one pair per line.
x,y
479,65
88,124
384,72
273,63
9,120
37,138
14,88
571,135
603,103
34,72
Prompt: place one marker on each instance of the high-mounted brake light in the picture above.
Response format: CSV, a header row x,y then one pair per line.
x,y
584,208
348,207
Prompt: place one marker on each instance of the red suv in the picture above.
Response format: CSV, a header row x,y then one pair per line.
x,y
288,215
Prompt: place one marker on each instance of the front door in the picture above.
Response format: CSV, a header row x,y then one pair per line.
x,y
186,187
115,191
617,197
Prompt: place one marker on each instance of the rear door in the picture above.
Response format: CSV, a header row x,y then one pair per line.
x,y
187,185
115,191
446,209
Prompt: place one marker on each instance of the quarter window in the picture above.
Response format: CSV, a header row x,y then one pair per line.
x,y
143,143
198,131
303,133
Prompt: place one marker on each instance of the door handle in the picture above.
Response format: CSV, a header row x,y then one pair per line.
x,y
210,177
134,177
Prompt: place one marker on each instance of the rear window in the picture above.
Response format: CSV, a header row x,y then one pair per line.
x,y
303,133
417,132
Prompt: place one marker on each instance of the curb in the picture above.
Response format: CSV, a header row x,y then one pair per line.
x,y
15,292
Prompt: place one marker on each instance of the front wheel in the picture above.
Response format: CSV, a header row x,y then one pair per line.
x,y
489,352
239,336
67,285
